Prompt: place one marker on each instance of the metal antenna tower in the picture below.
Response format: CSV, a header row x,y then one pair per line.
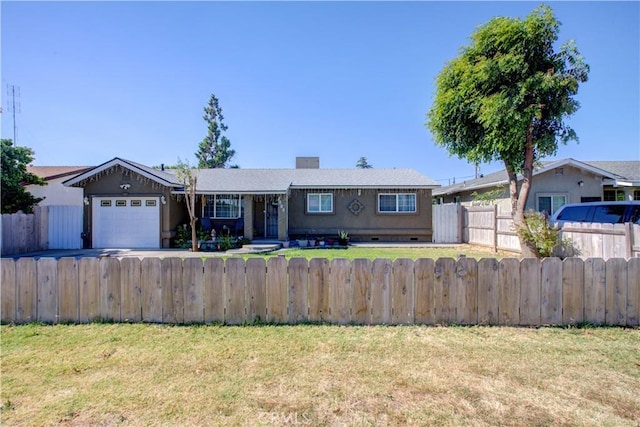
x,y
13,91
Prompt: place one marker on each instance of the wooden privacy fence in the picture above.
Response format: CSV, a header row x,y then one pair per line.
x,y
49,227
490,227
340,291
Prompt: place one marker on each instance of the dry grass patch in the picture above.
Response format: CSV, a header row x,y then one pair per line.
x,y
318,375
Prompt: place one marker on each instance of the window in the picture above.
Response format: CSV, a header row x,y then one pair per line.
x,y
635,215
150,203
105,203
613,214
121,203
222,206
614,196
590,199
636,194
575,214
397,202
320,203
136,203
550,202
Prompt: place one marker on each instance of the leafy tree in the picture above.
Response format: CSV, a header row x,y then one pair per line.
x,y
215,149
505,98
488,197
188,177
363,164
15,176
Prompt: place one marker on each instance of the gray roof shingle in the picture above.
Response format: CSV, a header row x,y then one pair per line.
x,y
280,180
628,169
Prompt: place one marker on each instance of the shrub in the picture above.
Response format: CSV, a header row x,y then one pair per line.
x,y
546,239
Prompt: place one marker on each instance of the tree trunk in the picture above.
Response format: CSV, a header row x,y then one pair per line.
x,y
519,198
194,236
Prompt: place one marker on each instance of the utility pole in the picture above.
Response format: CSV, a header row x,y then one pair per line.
x,y
13,91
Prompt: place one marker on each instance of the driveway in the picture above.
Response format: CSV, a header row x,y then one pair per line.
x,y
143,253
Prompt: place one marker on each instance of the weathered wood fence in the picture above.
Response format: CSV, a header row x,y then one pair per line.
x,y
340,291
49,227
488,226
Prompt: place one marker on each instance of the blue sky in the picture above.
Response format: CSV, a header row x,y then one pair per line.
x,y
338,80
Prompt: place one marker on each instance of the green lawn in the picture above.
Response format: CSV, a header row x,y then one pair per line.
x,y
153,375
372,253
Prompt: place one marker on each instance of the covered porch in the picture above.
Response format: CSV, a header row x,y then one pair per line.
x,y
252,216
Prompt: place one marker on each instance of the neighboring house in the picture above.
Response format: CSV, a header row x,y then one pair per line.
x,y
133,205
554,184
55,193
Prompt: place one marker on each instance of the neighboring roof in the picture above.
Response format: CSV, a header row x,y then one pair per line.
x,y
270,181
162,177
629,169
52,172
607,169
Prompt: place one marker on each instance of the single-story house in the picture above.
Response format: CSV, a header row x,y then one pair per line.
x,y
555,183
55,193
128,204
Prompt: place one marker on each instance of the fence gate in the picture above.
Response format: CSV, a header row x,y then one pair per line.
x,y
65,227
447,223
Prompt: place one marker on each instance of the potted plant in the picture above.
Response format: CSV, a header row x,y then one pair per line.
x,y
343,238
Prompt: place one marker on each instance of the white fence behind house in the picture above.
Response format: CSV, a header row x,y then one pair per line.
x,y
49,227
65,227
447,223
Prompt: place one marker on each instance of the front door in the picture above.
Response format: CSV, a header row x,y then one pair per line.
x,y
272,220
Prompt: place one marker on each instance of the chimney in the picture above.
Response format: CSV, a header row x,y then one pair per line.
x,y
307,162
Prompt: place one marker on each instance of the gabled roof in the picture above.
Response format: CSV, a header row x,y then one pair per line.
x,y
501,178
52,172
628,169
161,177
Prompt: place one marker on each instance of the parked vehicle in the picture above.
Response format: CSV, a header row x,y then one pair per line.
x,y
599,212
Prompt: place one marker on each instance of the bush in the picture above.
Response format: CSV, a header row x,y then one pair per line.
x,y
545,238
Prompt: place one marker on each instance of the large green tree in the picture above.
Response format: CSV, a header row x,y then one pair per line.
x,y
506,97
214,150
15,176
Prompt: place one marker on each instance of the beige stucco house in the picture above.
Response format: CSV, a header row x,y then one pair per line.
x,y
128,204
554,184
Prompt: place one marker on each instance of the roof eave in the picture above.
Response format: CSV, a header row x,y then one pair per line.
x,y
116,161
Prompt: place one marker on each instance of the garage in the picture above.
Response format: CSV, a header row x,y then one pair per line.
x,y
126,222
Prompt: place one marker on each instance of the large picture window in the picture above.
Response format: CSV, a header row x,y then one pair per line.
x,y
222,206
320,203
550,202
400,202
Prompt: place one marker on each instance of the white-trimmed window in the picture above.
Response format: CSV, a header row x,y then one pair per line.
x,y
614,196
550,202
222,206
397,202
320,203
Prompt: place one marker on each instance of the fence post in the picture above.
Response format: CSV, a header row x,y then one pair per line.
x,y
628,242
495,228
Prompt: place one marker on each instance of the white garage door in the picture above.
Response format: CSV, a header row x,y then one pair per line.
x,y
126,222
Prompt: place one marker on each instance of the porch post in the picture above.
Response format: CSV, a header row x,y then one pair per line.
x,y
283,217
248,217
